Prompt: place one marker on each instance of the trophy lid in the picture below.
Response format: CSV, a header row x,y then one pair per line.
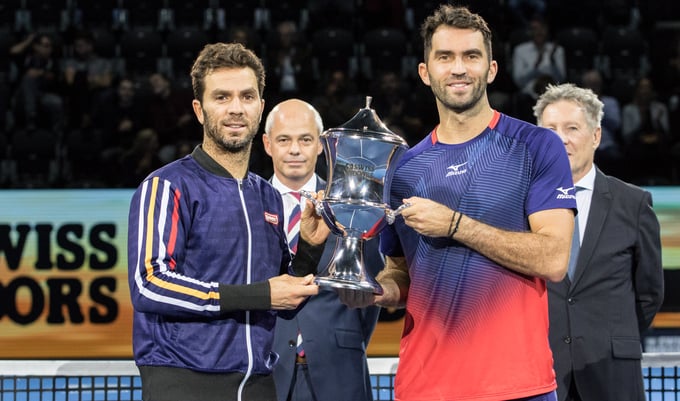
x,y
367,123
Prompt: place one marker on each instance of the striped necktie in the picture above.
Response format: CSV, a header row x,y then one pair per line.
x,y
293,232
299,349
293,236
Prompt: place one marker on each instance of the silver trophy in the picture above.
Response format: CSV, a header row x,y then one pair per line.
x,y
358,154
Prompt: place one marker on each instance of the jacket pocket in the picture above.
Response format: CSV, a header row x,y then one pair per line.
x,y
626,348
349,339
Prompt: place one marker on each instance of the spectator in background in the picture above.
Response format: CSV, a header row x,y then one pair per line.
x,y
337,99
670,85
332,13
394,101
537,57
646,133
521,11
85,76
609,153
390,100
168,112
141,159
614,285
524,101
288,66
118,115
37,83
183,148
502,90
243,35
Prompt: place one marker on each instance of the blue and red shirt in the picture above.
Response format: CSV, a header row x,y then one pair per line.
x,y
475,330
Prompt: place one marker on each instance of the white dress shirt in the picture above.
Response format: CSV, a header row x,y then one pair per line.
x,y
583,198
288,202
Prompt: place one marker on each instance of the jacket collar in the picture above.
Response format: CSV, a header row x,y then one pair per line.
x,y
204,160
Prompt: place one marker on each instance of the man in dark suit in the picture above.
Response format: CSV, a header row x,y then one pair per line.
x,y
323,349
614,286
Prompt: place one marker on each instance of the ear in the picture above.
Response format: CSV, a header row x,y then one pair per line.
x,y
261,111
320,148
493,70
597,137
198,110
267,144
422,72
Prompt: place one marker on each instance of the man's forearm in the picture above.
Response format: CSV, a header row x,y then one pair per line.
x,y
542,253
395,280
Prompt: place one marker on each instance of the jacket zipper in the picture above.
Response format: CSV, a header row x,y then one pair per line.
x,y
249,343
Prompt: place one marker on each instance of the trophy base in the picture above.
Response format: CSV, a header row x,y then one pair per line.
x,y
346,269
365,286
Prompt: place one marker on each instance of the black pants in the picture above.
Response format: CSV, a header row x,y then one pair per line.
x,y
573,394
301,388
175,384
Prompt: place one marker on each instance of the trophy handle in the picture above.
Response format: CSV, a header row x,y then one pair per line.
x,y
318,207
391,215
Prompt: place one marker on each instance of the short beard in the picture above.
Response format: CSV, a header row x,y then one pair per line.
x,y
233,147
459,107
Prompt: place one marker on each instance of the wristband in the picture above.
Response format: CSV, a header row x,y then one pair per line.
x,y
455,229
453,217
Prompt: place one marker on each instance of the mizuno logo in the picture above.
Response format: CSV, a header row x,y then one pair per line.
x,y
564,193
455,169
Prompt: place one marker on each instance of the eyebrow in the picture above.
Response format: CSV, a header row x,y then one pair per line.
x,y
289,135
246,91
465,52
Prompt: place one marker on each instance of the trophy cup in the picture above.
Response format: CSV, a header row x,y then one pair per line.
x,y
358,154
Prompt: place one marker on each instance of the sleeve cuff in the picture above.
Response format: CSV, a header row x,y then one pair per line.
x,y
256,296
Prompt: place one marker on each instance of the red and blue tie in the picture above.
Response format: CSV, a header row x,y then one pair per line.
x,y
294,223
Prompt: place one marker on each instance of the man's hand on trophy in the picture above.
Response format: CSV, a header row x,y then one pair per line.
x,y
428,217
391,215
288,292
312,227
355,298
391,296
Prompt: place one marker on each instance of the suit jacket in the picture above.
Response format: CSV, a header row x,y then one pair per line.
x,y
596,321
335,338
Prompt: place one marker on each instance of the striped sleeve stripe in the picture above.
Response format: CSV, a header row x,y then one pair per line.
x,y
167,280
173,232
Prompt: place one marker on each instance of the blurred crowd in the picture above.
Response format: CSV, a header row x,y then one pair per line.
x,y
98,94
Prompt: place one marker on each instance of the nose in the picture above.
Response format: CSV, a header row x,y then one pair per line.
x,y
562,136
235,106
458,66
294,147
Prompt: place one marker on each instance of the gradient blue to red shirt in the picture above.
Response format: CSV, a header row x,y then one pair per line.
x,y
475,330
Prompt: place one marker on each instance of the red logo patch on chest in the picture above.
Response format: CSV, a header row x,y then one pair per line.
x,y
271,218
